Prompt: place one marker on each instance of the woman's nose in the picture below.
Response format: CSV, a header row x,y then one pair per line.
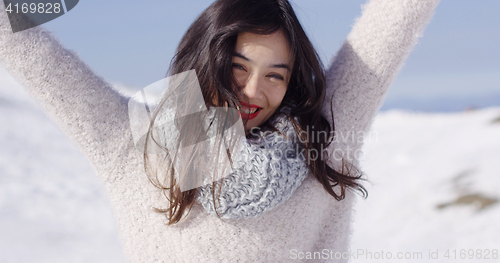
x,y
253,88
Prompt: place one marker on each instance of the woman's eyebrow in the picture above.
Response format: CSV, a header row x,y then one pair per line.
x,y
238,54
281,65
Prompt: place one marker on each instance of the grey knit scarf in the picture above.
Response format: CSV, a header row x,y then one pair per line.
x,y
269,169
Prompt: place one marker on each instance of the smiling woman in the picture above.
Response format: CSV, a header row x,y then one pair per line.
x,y
262,67
255,56
285,195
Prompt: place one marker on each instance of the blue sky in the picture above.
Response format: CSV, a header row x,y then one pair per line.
x,y
132,42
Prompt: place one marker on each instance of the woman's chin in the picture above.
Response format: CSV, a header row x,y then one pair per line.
x,y
255,122
248,127
250,124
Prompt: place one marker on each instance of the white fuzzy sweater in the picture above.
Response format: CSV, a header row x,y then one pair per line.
x,y
95,117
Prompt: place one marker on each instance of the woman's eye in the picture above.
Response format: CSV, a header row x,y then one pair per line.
x,y
277,76
238,66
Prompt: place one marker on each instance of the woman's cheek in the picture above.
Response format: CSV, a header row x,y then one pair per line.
x,y
280,94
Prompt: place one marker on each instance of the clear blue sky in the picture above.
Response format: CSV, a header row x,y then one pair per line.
x,y
132,42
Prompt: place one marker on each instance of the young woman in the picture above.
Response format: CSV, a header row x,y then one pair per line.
x,y
253,56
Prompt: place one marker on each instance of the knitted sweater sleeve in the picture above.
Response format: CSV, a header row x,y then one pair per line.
x,y
365,66
82,104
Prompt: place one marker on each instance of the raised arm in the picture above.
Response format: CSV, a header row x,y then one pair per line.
x,y
82,104
368,62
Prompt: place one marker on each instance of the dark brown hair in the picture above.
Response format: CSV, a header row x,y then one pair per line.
x,y
208,48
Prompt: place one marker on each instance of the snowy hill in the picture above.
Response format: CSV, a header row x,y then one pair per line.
x,y
449,103
433,184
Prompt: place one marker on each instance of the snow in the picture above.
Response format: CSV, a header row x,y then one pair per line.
x,y
419,162
53,207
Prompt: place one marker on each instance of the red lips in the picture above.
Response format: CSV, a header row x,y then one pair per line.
x,y
252,107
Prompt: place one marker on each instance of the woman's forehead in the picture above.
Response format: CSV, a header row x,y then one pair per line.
x,y
272,48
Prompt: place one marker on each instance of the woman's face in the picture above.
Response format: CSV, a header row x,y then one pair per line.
x,y
262,68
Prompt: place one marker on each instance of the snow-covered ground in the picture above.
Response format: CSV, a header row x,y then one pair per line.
x,y
428,176
434,186
53,207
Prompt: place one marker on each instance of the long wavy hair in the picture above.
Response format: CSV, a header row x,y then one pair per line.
x,y
208,48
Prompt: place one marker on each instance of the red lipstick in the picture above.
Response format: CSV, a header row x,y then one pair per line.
x,y
251,107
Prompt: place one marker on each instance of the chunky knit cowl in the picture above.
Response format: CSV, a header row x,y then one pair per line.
x,y
269,168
